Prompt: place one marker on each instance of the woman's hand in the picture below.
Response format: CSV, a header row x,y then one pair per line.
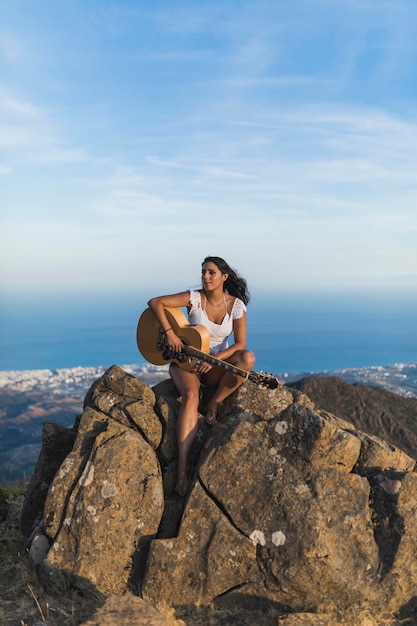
x,y
173,341
201,367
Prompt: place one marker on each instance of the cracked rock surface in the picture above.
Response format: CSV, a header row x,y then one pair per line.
x,y
289,506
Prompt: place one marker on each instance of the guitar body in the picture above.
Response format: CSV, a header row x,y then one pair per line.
x,y
148,337
196,346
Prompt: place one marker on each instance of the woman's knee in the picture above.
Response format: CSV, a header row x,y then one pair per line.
x,y
191,397
246,359
187,384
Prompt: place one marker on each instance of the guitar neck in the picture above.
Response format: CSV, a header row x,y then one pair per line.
x,y
264,380
151,343
208,358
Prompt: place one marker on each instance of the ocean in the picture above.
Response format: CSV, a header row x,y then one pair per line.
x,y
288,332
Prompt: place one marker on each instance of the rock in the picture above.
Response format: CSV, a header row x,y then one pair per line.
x,y
291,510
127,400
39,548
126,610
104,505
57,442
377,454
320,439
208,558
280,540
397,535
261,403
116,380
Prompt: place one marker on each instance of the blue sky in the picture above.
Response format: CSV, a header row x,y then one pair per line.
x,y
138,137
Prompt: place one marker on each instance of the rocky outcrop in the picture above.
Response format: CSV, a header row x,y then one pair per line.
x,y
57,442
372,409
291,509
106,500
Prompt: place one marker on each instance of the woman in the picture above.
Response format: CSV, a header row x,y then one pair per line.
x,y
220,306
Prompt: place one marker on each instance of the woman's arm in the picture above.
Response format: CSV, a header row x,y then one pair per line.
x,y
157,306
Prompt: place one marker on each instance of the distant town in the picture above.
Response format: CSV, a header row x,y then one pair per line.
x,y
73,380
30,397
399,378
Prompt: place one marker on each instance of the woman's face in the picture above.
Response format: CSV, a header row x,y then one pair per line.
x,y
211,276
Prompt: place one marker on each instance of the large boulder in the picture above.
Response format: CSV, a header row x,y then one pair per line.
x,y
290,508
57,442
106,500
265,520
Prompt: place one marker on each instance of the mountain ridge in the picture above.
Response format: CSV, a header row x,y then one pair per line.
x,y
375,410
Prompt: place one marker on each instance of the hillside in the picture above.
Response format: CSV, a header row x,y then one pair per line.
x,y
374,410
21,418
28,398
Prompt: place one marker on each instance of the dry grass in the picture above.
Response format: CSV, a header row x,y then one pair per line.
x,y
210,616
23,601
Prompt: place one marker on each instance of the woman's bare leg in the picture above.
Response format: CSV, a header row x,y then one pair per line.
x,y
227,382
188,385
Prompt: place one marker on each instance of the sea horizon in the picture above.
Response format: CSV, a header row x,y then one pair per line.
x,y
291,332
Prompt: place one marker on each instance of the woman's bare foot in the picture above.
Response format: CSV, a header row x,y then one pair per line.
x,y
183,484
211,413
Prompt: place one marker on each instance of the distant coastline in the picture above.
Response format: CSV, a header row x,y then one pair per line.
x,y
28,398
400,378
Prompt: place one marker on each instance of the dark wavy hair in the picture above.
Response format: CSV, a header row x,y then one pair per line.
x,y
235,284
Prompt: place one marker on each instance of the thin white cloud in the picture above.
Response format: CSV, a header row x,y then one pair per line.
x,y
171,164
277,122
251,82
11,105
5,170
27,134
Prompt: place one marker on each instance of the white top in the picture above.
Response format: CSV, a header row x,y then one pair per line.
x,y
219,333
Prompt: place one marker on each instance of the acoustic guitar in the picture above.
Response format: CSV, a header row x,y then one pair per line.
x,y
150,338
